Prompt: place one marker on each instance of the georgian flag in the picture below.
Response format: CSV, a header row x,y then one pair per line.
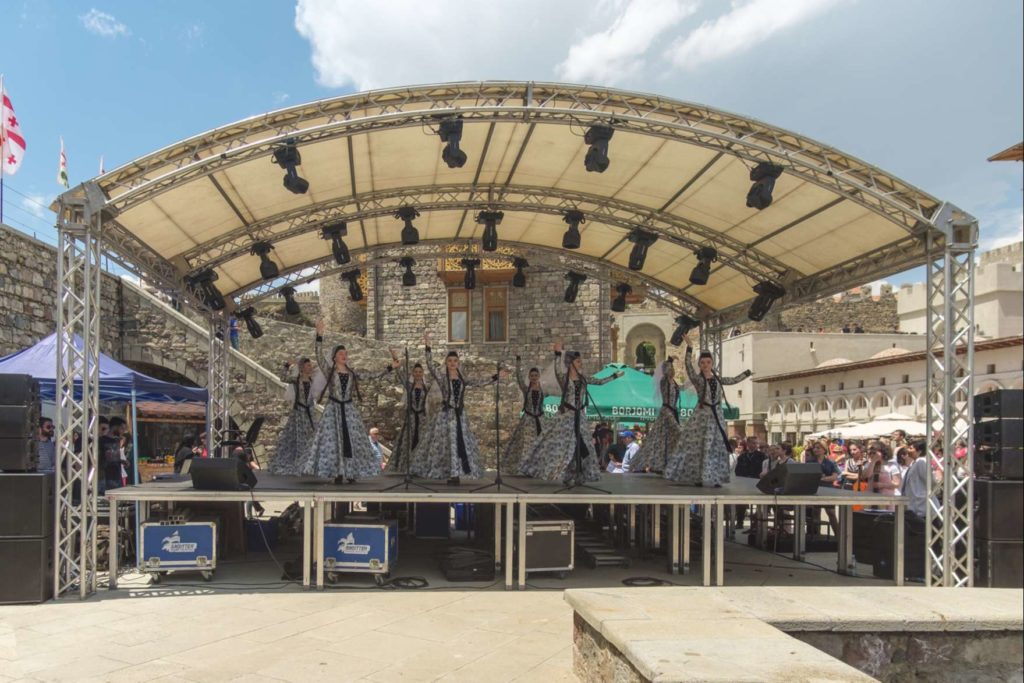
x,y
12,145
62,170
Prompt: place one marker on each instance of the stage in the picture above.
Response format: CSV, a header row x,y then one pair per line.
x,y
632,490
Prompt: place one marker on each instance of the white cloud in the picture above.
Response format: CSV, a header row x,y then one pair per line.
x,y
742,28
103,24
620,50
36,205
1003,228
279,97
194,34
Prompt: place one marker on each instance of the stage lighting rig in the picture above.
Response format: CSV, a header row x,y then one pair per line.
x,y
470,264
451,134
760,194
573,288
202,284
702,271
335,232
619,302
490,220
597,136
641,240
268,269
408,277
571,238
519,279
767,294
291,306
684,324
355,292
248,316
288,158
410,235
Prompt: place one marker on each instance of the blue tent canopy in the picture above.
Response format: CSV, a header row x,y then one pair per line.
x,y
117,382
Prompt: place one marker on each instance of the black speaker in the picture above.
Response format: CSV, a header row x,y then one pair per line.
x,y
792,479
26,504
1000,564
999,463
19,421
26,570
432,520
999,510
1002,403
221,474
865,538
19,455
18,390
999,434
913,548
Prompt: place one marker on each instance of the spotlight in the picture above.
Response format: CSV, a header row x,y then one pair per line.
x,y
490,220
202,284
573,289
248,315
619,302
597,136
641,240
408,277
268,269
291,306
470,264
763,175
684,324
288,158
355,292
410,235
571,238
451,133
334,233
702,271
767,294
519,279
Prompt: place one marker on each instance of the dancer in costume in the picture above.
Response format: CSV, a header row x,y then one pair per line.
x,y
448,449
341,449
416,388
305,382
529,428
701,457
564,450
663,435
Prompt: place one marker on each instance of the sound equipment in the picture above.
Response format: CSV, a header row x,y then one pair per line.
x,y
20,454
550,545
1002,403
221,474
792,479
999,510
999,463
913,548
432,520
26,504
865,539
999,434
18,390
26,570
1000,564
468,564
19,421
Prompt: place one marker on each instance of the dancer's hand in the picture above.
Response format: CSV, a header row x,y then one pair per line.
x,y
394,352
518,359
395,363
426,338
503,373
320,327
557,347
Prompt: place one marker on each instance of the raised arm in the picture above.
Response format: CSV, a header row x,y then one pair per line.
x,y
605,380
289,374
318,349
691,371
736,379
523,386
431,365
559,371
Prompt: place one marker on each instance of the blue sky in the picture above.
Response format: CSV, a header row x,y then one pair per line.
x,y
925,90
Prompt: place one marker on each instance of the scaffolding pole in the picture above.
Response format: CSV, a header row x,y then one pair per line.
x,y
217,406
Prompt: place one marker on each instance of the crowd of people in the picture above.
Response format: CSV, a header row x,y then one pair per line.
x,y
113,450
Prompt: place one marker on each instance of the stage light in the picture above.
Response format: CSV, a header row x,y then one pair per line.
x,y
573,289
519,279
334,233
248,316
451,133
470,264
571,238
763,175
202,285
288,158
490,220
702,271
767,294
597,136
355,292
268,269
410,235
684,324
619,302
291,306
641,240
408,277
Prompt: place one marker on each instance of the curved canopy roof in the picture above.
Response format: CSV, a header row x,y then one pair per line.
x,y
678,170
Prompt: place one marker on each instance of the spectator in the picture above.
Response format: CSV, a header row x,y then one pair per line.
x,y
603,438
915,482
878,474
186,450
108,457
829,476
47,448
119,430
846,328
380,450
616,451
854,467
777,455
629,441
233,331
749,464
858,329
897,443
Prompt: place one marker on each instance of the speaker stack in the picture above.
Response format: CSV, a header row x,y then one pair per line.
x,y
26,537
19,420
999,488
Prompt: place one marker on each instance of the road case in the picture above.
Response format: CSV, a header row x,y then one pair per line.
x,y
362,546
550,546
179,546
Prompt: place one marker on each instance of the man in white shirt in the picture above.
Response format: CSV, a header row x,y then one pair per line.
x,y
379,449
915,482
629,441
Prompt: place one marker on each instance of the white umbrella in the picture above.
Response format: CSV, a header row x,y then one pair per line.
x,y
883,425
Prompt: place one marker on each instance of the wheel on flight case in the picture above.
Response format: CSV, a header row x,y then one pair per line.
x,y
155,578
207,575
562,576
381,579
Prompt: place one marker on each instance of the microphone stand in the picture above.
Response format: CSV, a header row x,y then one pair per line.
x,y
407,479
498,483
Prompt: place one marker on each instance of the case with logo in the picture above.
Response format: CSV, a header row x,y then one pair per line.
x,y
364,546
188,546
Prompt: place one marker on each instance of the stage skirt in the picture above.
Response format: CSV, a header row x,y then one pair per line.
x,y
553,456
417,427
294,443
521,443
341,447
701,456
661,440
447,448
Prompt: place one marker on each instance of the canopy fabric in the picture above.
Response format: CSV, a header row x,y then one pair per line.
x,y
117,381
629,398
883,425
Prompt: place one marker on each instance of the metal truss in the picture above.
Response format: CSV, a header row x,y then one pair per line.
x,y
520,102
949,386
77,401
218,363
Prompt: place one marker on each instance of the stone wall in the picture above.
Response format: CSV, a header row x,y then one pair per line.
x,y
874,313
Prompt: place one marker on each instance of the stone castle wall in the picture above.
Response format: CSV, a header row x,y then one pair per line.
x,y
857,307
